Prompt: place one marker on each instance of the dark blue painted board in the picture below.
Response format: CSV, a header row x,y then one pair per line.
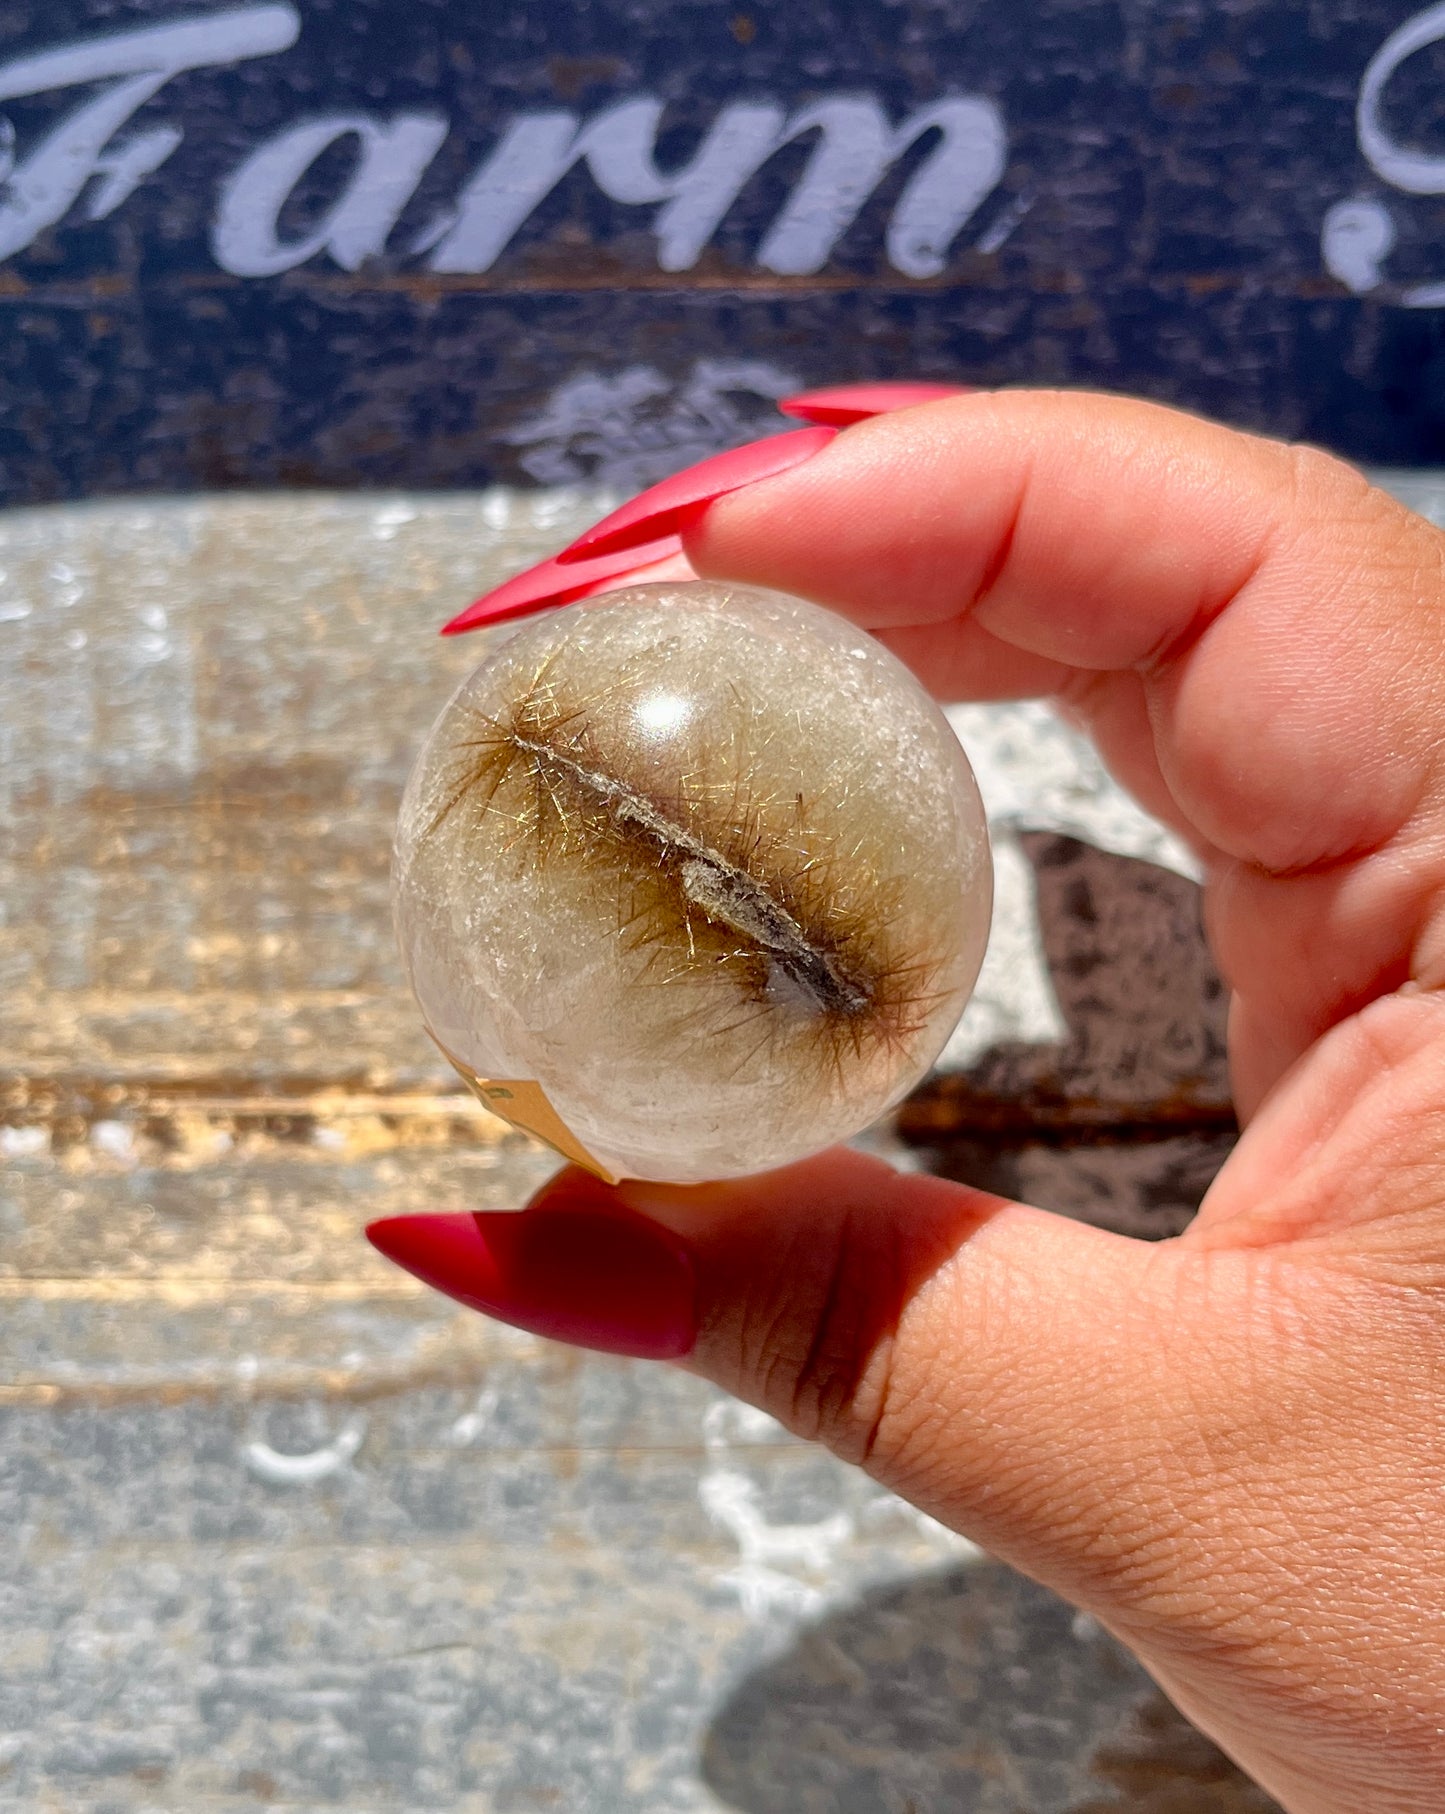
x,y
439,242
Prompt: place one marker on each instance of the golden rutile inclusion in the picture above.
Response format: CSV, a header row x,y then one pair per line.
x,y
706,864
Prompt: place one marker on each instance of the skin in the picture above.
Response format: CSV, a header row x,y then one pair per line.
x,y
1230,1447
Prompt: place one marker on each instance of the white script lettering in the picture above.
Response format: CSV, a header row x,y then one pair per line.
x,y
356,226
538,150
1413,171
856,146
856,149
1359,234
42,188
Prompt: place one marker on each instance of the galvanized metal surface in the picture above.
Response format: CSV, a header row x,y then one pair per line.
x,y
288,1532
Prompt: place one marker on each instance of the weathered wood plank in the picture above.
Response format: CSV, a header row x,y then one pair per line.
x,y
452,244
207,714
462,1616
290,1531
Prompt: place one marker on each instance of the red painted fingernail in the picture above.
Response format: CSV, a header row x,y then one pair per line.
x,y
839,404
668,506
549,583
578,1268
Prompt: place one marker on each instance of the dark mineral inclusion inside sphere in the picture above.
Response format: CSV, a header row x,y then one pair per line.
x,y
704,862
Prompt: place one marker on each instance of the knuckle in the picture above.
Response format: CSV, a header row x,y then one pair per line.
x,y
826,1360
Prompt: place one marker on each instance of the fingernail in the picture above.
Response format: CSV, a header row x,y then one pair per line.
x,y
669,506
837,405
579,1268
549,583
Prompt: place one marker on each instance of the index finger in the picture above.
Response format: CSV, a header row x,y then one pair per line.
x,y
1250,622
1269,598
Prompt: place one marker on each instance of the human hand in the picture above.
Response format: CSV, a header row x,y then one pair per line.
x,y
1230,1446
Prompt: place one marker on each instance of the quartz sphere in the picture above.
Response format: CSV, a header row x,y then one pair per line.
x,y
707,865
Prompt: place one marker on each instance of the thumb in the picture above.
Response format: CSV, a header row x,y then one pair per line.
x,y
1223,1451
992,1363
977,1356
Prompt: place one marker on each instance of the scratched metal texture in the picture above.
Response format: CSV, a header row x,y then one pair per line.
x,y
285,1531
1171,170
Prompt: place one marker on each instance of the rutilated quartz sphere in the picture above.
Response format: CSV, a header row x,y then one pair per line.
x,y
694,873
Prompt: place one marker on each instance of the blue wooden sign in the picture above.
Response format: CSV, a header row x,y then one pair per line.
x,y
342,242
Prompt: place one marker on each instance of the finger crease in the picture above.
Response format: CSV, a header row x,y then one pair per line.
x,y
1003,547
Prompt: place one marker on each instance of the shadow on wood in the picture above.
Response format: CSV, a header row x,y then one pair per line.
x,y
1125,1121
974,1689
